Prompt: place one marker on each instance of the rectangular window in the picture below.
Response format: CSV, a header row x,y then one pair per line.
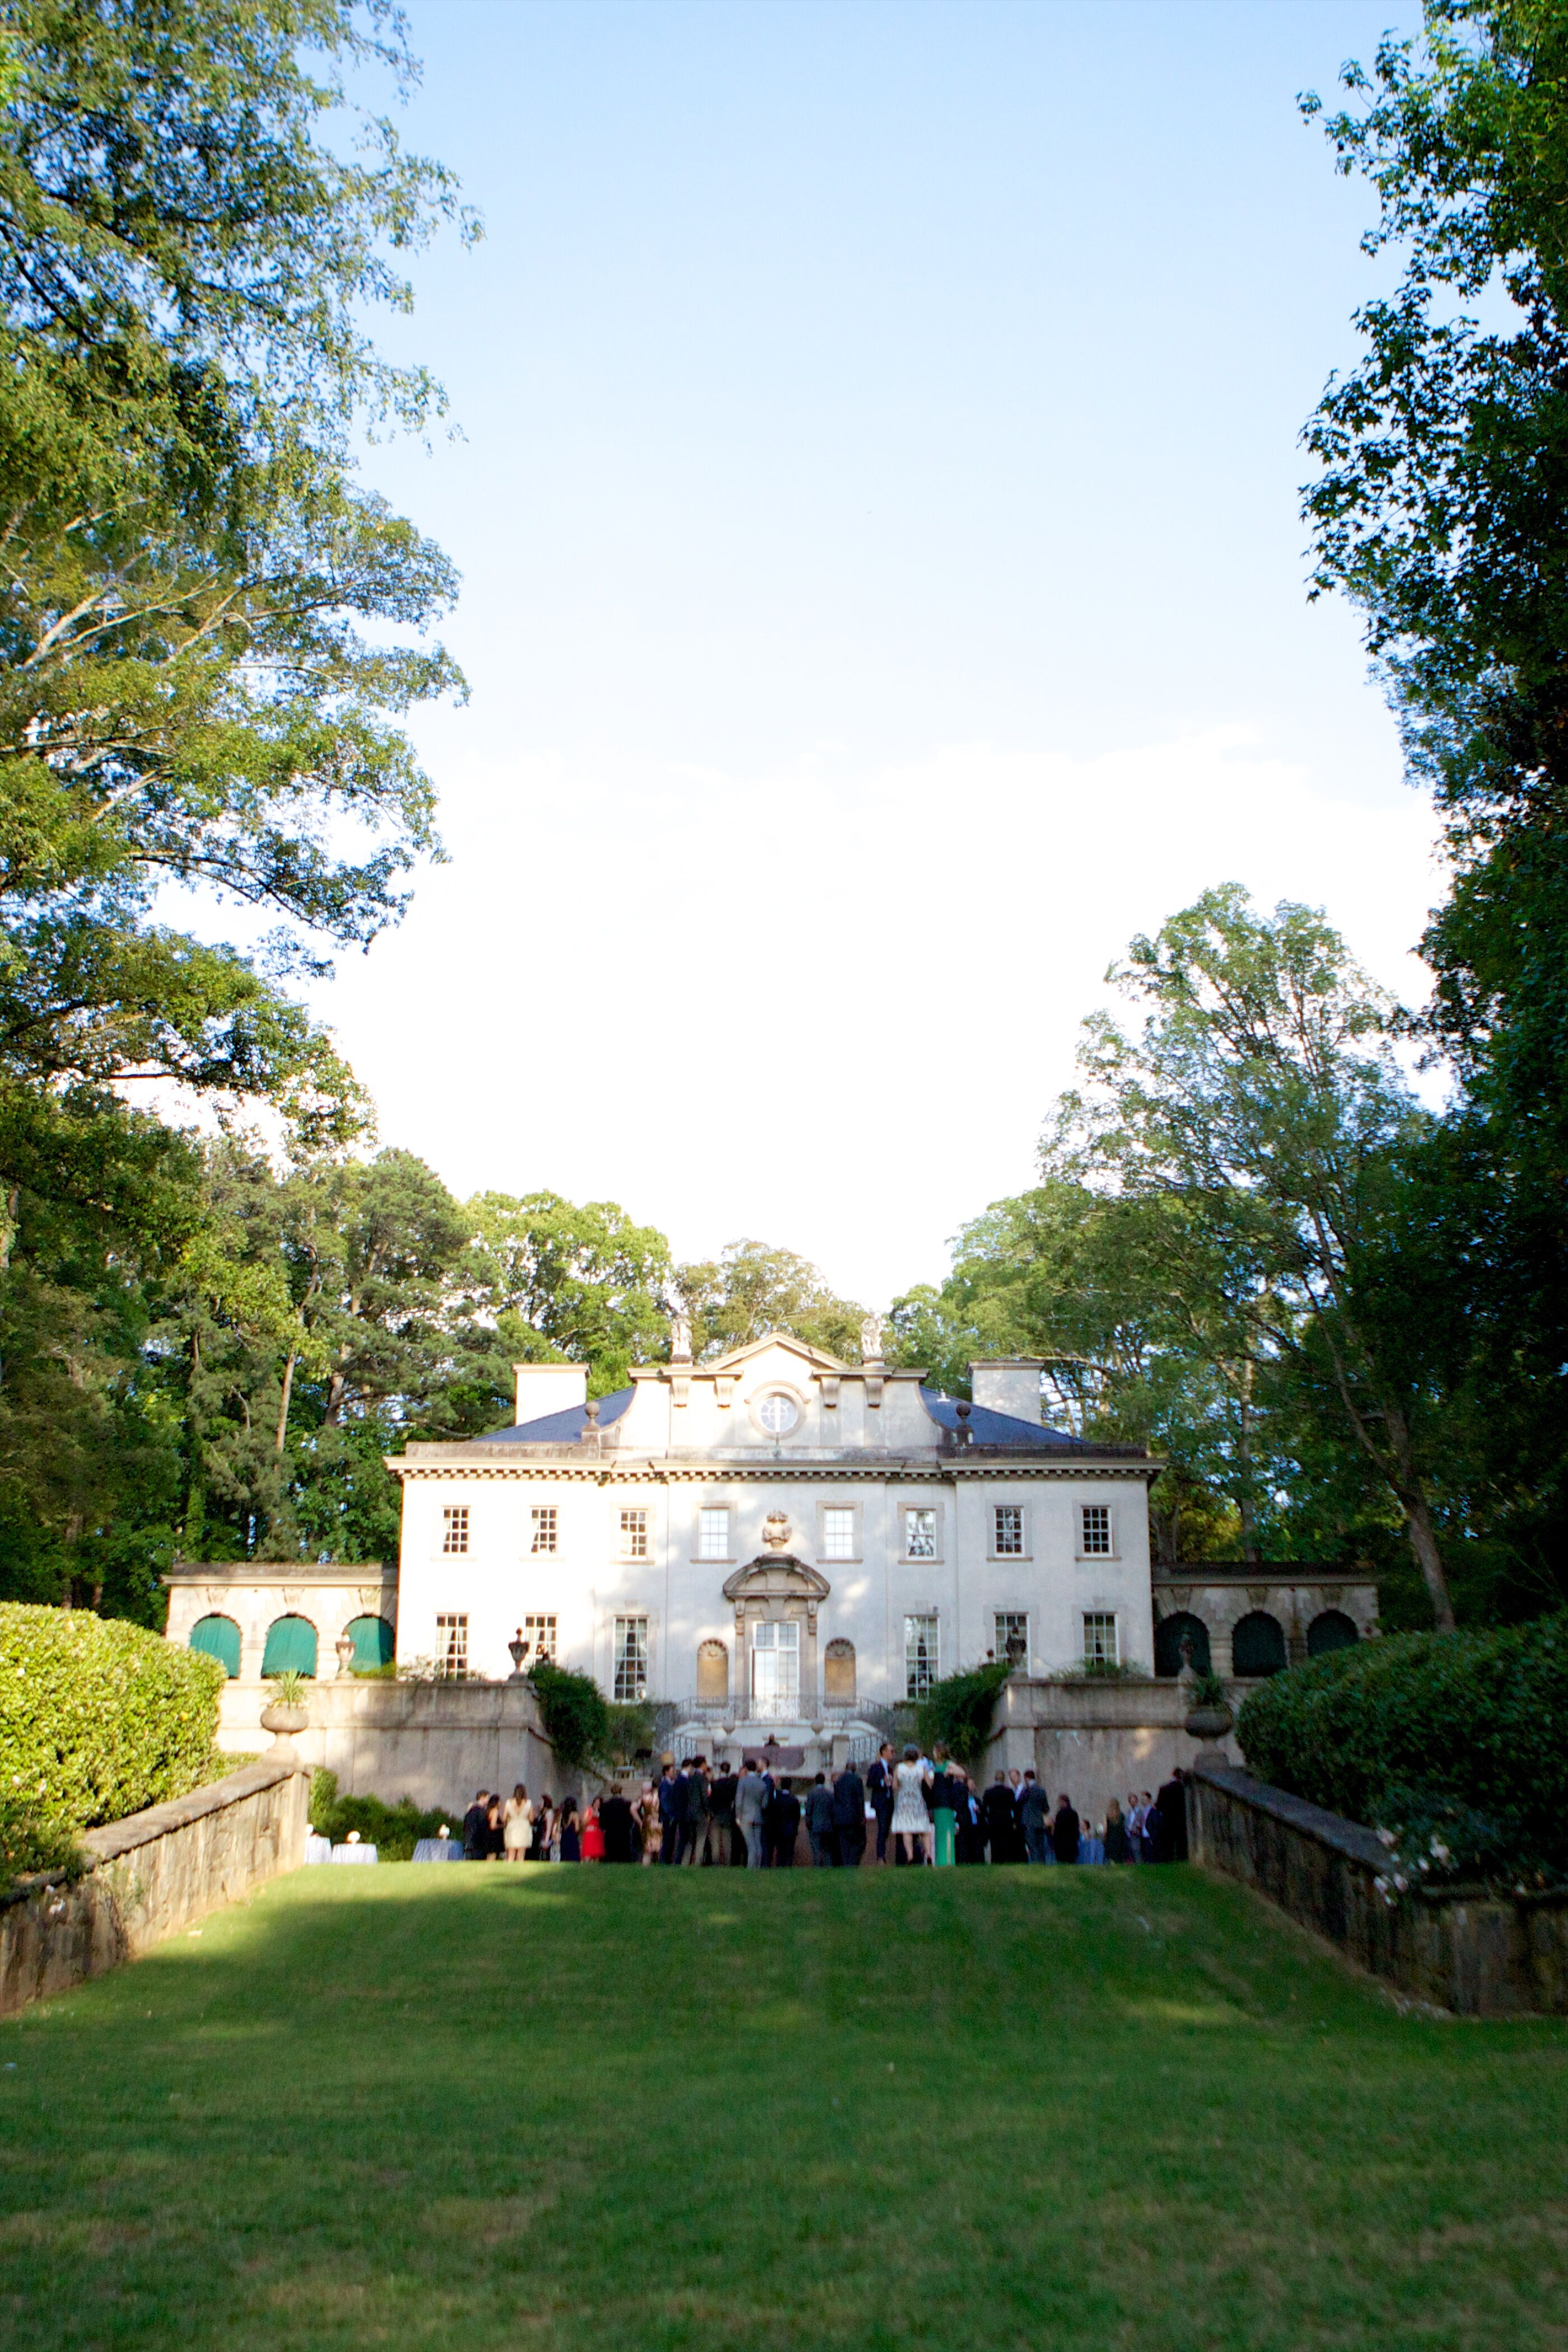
x,y
544,1528
1099,1640
1094,1530
539,1633
1013,1628
838,1534
921,1663
920,1535
634,1536
1008,1530
631,1660
454,1528
712,1534
452,1645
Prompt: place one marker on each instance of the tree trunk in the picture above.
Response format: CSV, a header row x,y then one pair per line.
x,y
283,1408
1243,1458
1428,1559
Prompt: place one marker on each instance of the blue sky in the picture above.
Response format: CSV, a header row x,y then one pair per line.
x,y
884,587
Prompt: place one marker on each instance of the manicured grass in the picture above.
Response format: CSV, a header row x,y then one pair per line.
x,y
637,2110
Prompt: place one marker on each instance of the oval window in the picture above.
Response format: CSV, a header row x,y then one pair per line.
x,y
777,1414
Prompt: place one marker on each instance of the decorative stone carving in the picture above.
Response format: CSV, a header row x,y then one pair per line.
x,y
871,1340
681,1339
724,1391
830,1390
776,1531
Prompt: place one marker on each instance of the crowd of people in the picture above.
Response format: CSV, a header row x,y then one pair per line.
x,y
908,1808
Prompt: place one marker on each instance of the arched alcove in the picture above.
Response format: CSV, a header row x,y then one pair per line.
x,y
372,1640
217,1637
1330,1630
1171,1632
713,1672
839,1673
1257,1645
290,1647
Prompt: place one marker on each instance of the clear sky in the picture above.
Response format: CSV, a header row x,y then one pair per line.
x,y
883,587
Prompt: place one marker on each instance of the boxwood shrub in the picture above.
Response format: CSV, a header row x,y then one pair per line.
x,y
1476,1722
98,1718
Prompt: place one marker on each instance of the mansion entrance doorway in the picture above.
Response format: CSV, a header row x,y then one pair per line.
x,y
776,1666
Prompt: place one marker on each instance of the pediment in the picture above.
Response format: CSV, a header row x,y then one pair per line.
x,y
816,1359
777,1577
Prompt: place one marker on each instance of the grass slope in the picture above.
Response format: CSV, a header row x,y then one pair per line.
x,y
641,2110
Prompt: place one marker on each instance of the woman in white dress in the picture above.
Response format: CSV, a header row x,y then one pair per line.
x,y
910,1822
517,1824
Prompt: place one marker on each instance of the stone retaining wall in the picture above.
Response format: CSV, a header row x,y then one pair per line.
x,y
149,1876
436,1742
1093,1740
1462,1950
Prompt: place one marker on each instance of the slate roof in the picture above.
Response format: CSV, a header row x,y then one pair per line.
x,y
988,1428
563,1428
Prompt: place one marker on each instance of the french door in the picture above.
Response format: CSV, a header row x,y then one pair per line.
x,y
776,1665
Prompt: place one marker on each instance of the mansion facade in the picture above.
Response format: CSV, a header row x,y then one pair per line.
x,y
777,1538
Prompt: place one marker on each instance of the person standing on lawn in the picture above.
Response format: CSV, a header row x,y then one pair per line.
x,y
1065,1832
911,1822
781,1824
944,1801
476,1821
494,1832
848,1818
694,1815
615,1837
669,1811
1116,1842
1034,1820
1001,1814
750,1802
879,1789
593,1832
819,1822
1171,1838
516,1825
721,1817
571,1848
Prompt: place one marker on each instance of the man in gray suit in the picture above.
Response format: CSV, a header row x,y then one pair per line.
x,y
751,1797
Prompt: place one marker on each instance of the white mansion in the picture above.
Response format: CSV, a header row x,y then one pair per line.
x,y
773,1539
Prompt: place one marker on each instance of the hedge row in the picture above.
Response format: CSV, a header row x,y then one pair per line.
x,y
98,1718
1477,1720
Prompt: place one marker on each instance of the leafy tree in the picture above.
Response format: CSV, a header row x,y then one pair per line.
x,y
750,1289
587,1284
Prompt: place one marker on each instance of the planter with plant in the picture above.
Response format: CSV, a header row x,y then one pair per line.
x,y
1209,1717
286,1711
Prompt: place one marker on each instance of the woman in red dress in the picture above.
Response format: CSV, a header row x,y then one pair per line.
x,y
593,1835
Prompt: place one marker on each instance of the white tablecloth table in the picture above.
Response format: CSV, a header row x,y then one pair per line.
x,y
438,1850
318,1849
354,1853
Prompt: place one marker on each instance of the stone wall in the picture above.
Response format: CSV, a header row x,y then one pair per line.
x,y
436,1742
149,1876
1094,1740
1465,1950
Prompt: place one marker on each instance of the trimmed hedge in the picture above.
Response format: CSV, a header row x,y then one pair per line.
x,y
1473,1721
99,1717
393,1830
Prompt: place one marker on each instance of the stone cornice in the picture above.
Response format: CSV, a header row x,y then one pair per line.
x,y
888,1470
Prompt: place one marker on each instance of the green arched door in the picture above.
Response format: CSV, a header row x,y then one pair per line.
x,y
218,1637
290,1647
372,1638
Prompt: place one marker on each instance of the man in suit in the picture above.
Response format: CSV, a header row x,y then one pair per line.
x,y
819,1822
782,1824
476,1826
1001,1817
721,1816
751,1797
880,1789
1065,1832
694,1812
1033,1820
1171,1838
849,1817
671,1804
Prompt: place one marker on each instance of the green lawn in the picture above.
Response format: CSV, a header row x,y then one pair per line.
x,y
638,2109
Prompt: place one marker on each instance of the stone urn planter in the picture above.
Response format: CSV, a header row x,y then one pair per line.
x,y
1210,1723
283,1722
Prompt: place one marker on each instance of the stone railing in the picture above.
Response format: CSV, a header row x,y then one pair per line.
x,y
1462,1949
149,1877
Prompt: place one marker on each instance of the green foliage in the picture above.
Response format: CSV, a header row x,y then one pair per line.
x,y
751,1289
958,1712
28,1844
576,1715
1440,511
630,1733
99,1719
393,1830
583,1285
290,1688
1479,1720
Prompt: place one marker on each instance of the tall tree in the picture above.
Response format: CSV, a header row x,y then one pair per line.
x,y
751,1289
556,1279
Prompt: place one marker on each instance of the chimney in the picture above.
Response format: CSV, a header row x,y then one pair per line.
x,y
1010,1385
549,1388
